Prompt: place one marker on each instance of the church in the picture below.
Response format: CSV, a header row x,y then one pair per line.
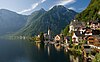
x,y
48,35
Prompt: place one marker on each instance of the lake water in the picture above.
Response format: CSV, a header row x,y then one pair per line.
x,y
25,51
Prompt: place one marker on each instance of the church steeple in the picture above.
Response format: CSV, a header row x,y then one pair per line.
x,y
49,33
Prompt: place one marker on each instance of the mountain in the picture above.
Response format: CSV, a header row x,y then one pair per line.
x,y
10,21
92,12
39,21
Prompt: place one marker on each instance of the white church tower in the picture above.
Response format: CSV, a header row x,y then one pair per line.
x,y
49,33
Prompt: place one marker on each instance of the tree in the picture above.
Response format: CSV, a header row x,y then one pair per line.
x,y
91,12
42,37
97,58
66,31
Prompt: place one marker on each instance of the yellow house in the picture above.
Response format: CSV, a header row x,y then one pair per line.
x,y
57,38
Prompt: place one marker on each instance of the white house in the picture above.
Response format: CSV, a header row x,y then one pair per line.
x,y
71,27
74,38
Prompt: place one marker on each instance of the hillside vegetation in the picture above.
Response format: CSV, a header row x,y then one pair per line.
x,y
92,12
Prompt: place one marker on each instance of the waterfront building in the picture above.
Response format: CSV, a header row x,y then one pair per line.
x,y
57,38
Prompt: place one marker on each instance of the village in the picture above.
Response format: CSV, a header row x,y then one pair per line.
x,y
82,41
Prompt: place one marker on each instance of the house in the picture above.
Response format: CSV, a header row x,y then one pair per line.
x,y
82,30
74,38
94,42
98,40
80,35
91,40
57,38
75,25
94,24
87,49
88,31
77,36
96,32
67,39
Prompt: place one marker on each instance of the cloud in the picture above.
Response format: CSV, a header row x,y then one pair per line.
x,y
43,1
65,2
72,8
32,7
27,10
81,9
51,7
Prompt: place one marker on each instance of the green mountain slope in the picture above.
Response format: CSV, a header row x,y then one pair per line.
x,y
92,12
56,18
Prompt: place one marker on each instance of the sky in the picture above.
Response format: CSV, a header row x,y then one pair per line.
x,y
26,7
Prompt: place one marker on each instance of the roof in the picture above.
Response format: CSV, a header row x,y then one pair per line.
x,y
96,36
77,33
68,38
96,32
77,23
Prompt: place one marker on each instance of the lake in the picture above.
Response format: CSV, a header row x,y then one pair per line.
x,y
26,51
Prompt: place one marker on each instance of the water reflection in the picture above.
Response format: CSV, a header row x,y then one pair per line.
x,y
15,51
38,45
25,51
48,50
57,47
